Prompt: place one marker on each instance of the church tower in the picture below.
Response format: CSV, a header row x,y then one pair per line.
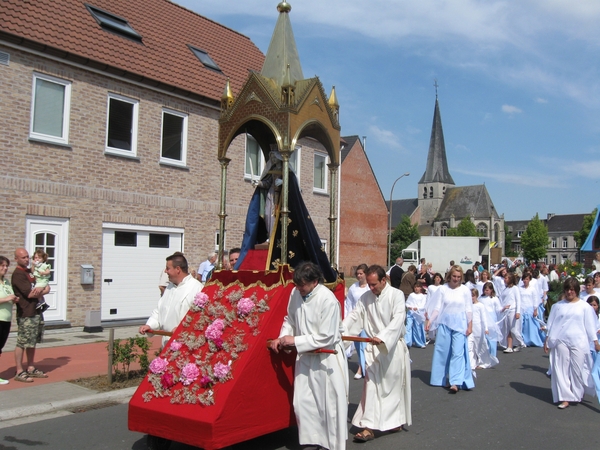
x,y
436,179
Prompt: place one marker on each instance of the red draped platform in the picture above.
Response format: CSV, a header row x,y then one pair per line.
x,y
256,396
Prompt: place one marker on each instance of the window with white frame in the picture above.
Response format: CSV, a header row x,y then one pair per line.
x,y
563,258
121,125
565,242
173,145
320,173
553,243
254,161
553,259
50,106
295,161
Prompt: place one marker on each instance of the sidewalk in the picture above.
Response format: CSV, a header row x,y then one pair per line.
x,y
65,354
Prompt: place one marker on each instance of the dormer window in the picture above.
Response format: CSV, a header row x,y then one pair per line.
x,y
206,60
114,23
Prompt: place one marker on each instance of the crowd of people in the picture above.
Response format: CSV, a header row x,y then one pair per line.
x,y
468,315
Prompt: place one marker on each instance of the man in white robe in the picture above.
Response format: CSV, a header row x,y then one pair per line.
x,y
313,322
386,400
177,298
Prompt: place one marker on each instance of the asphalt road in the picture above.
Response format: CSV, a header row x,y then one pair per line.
x,y
510,408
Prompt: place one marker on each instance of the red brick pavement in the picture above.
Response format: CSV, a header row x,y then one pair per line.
x,y
65,363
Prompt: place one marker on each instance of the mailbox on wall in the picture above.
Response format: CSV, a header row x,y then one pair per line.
x,y
87,274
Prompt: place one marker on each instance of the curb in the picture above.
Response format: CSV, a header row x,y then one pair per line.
x,y
119,396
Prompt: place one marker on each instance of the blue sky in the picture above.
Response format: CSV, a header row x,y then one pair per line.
x,y
519,88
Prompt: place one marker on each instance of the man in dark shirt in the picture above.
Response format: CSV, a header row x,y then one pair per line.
x,y
396,273
29,319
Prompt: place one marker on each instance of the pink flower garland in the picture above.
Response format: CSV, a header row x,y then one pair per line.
x,y
159,365
244,306
200,300
175,346
221,370
215,330
189,373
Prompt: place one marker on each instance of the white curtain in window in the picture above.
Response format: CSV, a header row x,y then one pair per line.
x,y
48,108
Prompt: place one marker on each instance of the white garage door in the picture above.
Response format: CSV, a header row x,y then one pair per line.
x,y
132,260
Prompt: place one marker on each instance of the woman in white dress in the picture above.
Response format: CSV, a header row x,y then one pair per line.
x,y
354,293
452,317
572,326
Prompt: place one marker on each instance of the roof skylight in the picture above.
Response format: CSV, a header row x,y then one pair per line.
x,y
113,23
204,58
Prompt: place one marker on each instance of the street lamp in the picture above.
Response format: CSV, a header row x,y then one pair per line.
x,y
390,219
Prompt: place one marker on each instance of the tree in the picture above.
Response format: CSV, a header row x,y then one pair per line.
x,y
404,234
588,221
534,240
464,228
508,250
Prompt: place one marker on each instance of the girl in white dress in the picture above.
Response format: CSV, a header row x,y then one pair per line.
x,y
494,310
593,301
479,351
483,278
511,323
438,281
415,318
354,293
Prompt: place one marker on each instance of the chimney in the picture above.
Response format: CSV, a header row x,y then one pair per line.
x,y
550,216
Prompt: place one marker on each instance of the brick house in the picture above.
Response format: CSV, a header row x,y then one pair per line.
x,y
363,210
561,240
110,125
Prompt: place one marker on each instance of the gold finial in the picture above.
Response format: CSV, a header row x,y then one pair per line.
x,y
284,7
333,102
227,94
227,97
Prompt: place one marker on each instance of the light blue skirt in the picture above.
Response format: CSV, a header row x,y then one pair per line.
x,y
533,336
415,332
451,364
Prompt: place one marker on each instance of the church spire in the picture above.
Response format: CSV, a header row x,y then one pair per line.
x,y
282,51
437,164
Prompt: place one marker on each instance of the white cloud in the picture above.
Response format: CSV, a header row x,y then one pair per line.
x,y
584,169
530,179
541,100
385,137
509,109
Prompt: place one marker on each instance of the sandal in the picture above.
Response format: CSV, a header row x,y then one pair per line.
x,y
364,436
36,373
453,389
23,377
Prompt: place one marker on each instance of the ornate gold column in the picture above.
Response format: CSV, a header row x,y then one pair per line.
x,y
285,212
333,169
222,211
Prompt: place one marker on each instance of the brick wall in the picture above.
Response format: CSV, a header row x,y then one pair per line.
x,y
82,183
363,214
